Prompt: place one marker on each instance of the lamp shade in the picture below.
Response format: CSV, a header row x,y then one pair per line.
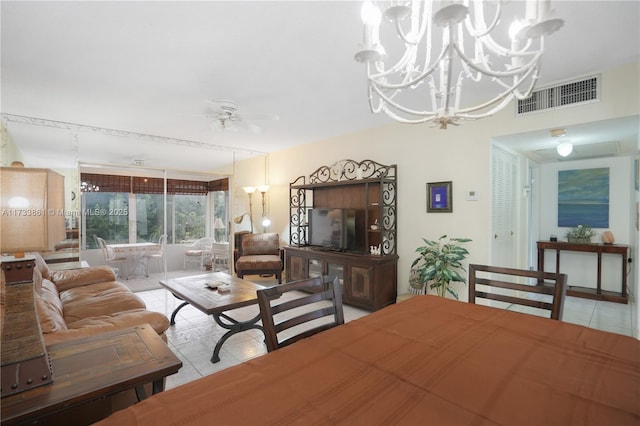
x,y
32,209
217,224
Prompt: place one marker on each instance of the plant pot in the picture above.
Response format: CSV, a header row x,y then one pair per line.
x,y
576,240
418,291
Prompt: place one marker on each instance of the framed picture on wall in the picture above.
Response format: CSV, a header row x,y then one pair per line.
x,y
439,197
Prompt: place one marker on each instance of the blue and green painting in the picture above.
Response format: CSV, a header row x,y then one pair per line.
x,y
583,197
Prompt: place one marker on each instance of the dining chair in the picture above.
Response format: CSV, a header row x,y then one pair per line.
x,y
158,256
117,263
220,256
196,252
530,289
310,306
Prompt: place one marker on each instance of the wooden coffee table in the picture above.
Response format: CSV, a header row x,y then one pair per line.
x,y
88,369
193,290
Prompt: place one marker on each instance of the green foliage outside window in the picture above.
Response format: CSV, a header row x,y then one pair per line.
x,y
107,216
190,220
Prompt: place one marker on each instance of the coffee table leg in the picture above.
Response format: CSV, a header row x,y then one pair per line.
x,y
175,312
234,327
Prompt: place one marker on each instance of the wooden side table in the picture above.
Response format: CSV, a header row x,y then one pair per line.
x,y
89,369
598,293
59,257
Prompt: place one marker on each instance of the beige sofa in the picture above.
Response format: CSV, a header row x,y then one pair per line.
x,y
82,302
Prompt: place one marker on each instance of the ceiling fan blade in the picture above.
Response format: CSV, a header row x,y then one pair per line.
x,y
270,117
242,124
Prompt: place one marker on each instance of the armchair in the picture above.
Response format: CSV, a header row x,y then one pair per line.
x,y
260,254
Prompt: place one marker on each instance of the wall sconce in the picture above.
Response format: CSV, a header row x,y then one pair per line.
x,y
34,202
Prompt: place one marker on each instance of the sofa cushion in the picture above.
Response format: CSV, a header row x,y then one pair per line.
x,y
158,321
105,323
97,299
70,278
259,262
258,244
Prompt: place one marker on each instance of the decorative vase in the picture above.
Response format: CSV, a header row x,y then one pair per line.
x,y
576,240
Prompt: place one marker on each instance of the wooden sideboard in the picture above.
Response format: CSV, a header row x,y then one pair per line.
x,y
368,281
590,293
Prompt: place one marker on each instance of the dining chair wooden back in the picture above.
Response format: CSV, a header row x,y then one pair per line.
x,y
300,309
531,289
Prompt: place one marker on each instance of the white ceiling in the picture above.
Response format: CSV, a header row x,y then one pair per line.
x,y
149,68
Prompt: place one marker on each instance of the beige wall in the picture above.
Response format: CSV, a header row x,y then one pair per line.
x,y
424,154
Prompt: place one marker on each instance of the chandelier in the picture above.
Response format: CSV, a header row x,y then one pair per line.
x,y
444,44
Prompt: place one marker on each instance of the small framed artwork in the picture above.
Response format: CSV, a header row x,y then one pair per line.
x,y
439,197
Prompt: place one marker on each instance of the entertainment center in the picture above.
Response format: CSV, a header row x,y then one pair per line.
x,y
362,198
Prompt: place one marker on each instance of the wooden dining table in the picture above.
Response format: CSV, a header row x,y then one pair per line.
x,y
423,361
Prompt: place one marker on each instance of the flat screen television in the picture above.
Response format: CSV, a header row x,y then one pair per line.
x,y
333,229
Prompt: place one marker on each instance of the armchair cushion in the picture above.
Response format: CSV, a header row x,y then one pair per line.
x,y
259,262
259,244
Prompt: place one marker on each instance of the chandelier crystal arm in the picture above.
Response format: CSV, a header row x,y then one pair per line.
x,y
500,74
507,94
376,78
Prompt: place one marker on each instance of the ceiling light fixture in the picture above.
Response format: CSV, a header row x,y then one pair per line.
x,y
558,132
444,60
565,148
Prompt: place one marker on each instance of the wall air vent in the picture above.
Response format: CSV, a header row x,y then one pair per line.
x,y
572,93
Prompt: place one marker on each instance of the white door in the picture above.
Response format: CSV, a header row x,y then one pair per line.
x,y
504,178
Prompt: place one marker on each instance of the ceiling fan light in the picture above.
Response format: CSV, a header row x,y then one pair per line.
x,y
564,148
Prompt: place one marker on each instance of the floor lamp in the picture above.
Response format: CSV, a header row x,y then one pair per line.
x,y
34,202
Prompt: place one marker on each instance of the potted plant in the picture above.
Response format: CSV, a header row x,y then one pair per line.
x,y
438,264
581,234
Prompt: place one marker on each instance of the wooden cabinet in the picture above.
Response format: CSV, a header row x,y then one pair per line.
x,y
368,282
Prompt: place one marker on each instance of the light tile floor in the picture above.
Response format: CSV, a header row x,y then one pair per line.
x,y
194,335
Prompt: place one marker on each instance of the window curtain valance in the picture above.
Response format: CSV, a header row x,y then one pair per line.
x,y
148,185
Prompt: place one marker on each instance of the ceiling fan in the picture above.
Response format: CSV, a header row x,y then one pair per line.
x,y
223,115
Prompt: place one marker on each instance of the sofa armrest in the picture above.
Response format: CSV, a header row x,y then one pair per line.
x,y
71,278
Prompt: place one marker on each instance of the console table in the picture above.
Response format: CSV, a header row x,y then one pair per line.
x,y
89,369
590,293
